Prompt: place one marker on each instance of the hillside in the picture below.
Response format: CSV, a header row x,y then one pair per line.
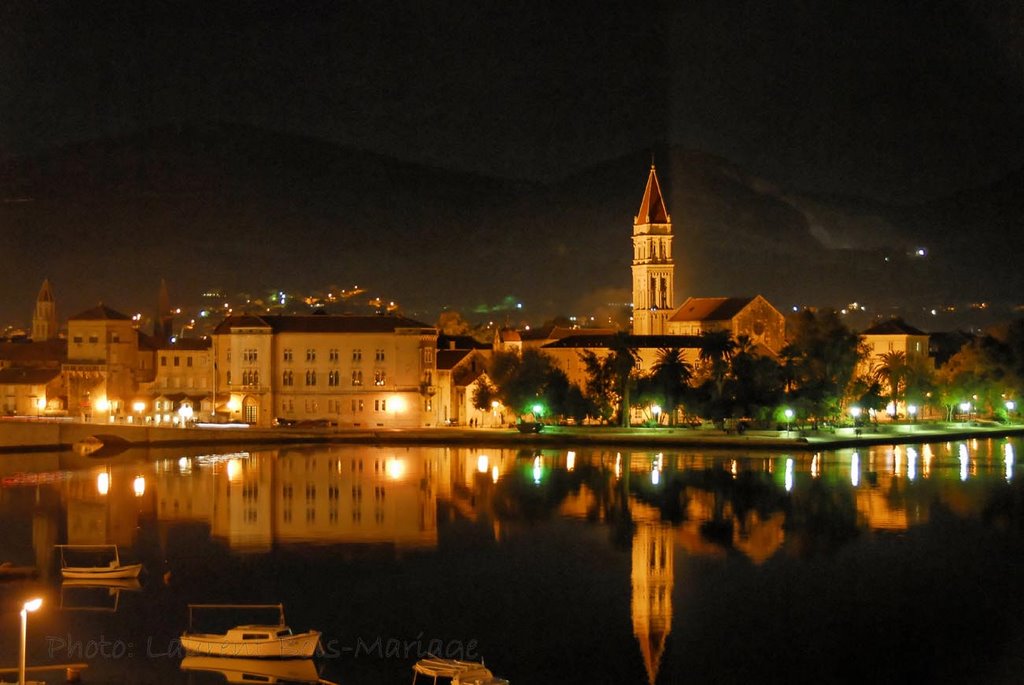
x,y
245,210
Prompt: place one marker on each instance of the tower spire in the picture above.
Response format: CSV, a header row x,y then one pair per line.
x,y
653,268
44,319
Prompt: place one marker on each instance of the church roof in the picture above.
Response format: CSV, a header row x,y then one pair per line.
x,y
893,327
652,207
100,312
710,308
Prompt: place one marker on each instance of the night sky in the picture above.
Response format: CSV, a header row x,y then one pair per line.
x,y
898,102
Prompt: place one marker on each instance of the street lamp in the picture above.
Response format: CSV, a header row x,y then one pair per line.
x,y
912,410
31,605
789,419
185,412
656,411
1010,406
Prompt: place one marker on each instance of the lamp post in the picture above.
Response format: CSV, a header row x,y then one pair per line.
x,y
28,606
656,411
789,419
912,410
1010,406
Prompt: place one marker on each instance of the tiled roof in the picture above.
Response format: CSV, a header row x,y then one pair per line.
x,y
460,342
652,207
559,332
186,344
710,308
310,323
36,352
448,359
893,327
22,376
636,341
100,312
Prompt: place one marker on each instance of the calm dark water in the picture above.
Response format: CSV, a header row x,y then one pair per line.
x,y
896,564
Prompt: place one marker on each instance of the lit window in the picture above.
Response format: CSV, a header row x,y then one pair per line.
x,y
357,377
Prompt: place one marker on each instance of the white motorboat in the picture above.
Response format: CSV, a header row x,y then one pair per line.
x,y
113,570
255,670
455,671
251,641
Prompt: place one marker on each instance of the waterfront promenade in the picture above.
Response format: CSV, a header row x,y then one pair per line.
x,y
36,435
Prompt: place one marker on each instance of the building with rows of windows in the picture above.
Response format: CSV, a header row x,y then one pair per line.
x,y
358,371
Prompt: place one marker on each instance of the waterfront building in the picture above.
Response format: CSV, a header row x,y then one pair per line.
x,y
361,371
184,376
107,358
461,364
893,335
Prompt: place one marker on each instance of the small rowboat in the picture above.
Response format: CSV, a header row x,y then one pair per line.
x,y
455,671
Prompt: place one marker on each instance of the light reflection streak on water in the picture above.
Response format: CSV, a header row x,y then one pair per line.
x,y
1008,461
570,461
911,463
537,471
897,462
618,465
855,469
964,461
927,461
816,466
789,475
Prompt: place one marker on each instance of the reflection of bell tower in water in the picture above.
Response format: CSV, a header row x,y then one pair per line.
x,y
652,579
653,268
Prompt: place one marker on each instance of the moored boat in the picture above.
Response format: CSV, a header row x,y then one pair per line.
x,y
112,570
455,671
250,641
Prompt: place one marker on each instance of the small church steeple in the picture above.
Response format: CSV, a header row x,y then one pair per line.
x,y
653,268
44,319
163,322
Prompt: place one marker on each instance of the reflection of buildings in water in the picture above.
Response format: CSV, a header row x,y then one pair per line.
x,y
323,495
371,495
652,579
105,503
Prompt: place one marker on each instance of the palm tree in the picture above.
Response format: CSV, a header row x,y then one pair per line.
x,y
716,349
671,374
892,369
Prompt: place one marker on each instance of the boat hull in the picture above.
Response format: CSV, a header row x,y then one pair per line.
x,y
301,646
102,572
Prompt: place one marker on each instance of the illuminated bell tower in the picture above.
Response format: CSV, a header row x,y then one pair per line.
x,y
44,320
653,268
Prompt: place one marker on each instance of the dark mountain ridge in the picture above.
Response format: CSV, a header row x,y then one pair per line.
x,y
245,209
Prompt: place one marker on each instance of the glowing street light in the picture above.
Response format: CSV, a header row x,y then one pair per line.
x,y
656,411
789,418
185,413
30,605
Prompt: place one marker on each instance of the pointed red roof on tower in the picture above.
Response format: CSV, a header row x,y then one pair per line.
x,y
45,292
652,207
